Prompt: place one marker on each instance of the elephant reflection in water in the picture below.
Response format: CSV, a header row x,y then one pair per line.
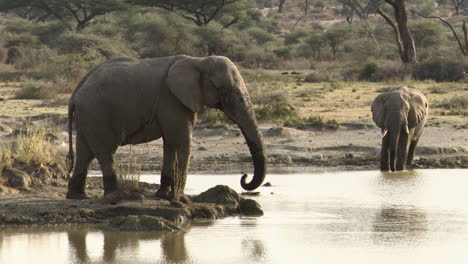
x,y
172,244
396,225
255,248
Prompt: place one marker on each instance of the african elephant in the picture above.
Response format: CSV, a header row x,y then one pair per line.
x,y
401,113
132,101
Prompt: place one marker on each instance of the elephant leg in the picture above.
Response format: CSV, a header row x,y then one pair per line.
x,y
412,147
174,170
109,177
402,153
384,154
166,172
77,183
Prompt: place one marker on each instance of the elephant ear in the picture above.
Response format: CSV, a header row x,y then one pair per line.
x,y
184,81
378,111
418,109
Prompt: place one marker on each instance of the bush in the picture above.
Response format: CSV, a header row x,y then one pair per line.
x,y
368,70
256,57
439,70
315,122
33,147
260,36
315,77
274,107
35,89
214,118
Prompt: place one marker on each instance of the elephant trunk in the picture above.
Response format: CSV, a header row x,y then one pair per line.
x,y
239,109
394,138
255,144
393,146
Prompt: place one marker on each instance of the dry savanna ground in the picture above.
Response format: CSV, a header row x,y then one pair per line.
x,y
355,143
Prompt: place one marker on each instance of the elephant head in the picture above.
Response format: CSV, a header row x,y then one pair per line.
x,y
215,82
400,114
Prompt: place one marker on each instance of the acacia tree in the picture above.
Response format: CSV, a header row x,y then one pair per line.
x,y
335,37
361,8
457,4
462,44
403,36
201,12
82,11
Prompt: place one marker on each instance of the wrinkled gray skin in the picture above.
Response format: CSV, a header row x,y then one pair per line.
x,y
129,101
401,114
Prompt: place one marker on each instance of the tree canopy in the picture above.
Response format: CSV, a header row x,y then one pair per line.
x,y
82,11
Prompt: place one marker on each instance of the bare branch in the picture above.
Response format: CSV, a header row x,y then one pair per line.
x,y
464,49
395,29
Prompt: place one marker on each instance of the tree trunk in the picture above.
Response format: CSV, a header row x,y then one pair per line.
x,y
280,6
404,38
409,49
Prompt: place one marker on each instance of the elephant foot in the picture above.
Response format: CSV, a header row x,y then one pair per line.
x,y
78,195
108,193
164,193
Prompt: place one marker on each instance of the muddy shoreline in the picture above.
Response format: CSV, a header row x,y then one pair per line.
x,y
354,146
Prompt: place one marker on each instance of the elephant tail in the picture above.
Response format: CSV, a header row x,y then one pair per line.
x,y
70,155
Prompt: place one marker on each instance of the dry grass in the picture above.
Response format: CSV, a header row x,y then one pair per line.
x,y
128,173
34,147
6,157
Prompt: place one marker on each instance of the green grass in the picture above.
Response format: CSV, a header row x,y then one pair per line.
x,y
456,105
214,118
316,122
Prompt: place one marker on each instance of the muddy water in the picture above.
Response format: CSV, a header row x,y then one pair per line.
x,y
333,217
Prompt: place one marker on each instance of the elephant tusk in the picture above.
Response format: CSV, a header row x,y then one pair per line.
x,y
407,129
384,133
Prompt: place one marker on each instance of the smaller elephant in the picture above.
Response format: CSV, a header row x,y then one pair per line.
x,y
401,114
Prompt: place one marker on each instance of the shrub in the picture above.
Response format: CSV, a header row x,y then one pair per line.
x,y
274,107
256,57
260,36
315,77
35,89
214,118
439,70
33,147
316,122
31,58
368,70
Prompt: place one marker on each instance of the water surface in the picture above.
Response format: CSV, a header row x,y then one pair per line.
x,y
332,217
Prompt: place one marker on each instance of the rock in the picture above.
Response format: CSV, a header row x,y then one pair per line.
x,y
141,223
250,207
16,178
219,194
268,184
278,132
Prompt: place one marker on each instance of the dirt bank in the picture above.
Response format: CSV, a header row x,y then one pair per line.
x,y
352,146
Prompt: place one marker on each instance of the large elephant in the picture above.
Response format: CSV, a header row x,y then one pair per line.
x,y
131,101
401,113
